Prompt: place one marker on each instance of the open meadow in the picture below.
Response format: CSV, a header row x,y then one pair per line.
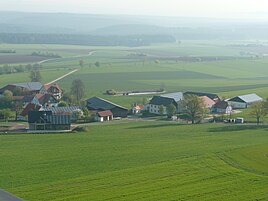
x,y
138,161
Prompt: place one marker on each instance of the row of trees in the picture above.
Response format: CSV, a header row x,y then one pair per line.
x,y
8,69
82,64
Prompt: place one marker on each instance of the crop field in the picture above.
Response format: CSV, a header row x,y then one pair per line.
x,y
150,67
139,161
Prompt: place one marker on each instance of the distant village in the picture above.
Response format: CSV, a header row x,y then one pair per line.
x,y
42,107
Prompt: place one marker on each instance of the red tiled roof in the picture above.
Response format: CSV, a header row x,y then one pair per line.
x,y
139,107
48,86
30,107
207,101
17,98
105,113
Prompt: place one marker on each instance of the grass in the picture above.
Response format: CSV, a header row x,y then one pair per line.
x,y
138,161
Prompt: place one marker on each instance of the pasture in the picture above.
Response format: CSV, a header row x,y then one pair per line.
x,y
138,161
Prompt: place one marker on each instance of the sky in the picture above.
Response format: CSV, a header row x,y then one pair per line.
x,y
193,8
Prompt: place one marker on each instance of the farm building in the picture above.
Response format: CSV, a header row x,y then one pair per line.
x,y
177,96
104,116
54,110
99,104
46,100
157,101
46,120
208,102
222,107
52,89
24,88
29,107
137,109
213,97
245,101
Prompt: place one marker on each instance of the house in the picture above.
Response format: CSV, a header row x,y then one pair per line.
x,y
245,101
52,89
137,109
104,116
99,104
47,121
209,103
29,107
23,88
213,97
222,107
157,101
45,100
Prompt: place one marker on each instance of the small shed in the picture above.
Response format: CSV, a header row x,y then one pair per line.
x,y
104,116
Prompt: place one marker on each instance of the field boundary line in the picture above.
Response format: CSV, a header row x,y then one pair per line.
x,y
60,78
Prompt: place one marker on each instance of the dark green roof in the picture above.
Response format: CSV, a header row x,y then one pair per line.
x,y
159,100
97,103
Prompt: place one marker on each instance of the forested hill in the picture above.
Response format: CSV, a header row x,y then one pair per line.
x,y
93,40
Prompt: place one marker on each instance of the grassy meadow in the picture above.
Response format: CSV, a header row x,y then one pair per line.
x,y
138,161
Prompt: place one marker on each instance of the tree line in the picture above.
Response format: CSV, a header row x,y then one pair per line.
x,y
9,69
71,39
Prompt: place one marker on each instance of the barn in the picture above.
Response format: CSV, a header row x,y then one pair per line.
x,y
245,101
46,120
99,104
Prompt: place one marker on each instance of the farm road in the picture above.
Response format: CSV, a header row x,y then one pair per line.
x,y
5,196
60,78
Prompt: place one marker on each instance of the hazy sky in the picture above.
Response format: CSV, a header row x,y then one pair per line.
x,y
204,8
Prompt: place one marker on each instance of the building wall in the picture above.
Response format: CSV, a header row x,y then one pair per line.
x,y
119,112
237,105
155,109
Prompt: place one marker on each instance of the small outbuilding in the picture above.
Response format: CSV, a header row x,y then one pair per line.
x,y
104,116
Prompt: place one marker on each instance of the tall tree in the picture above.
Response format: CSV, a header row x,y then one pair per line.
x,y
81,63
35,75
161,110
78,90
258,111
194,107
171,110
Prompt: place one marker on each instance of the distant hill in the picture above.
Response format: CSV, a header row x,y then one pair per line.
x,y
132,27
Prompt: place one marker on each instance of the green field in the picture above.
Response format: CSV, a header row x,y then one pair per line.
x,y
139,161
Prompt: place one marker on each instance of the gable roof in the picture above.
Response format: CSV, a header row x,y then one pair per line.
x,y
44,98
48,86
30,107
249,98
177,96
105,113
30,86
210,95
48,117
97,103
159,100
62,110
221,105
207,101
